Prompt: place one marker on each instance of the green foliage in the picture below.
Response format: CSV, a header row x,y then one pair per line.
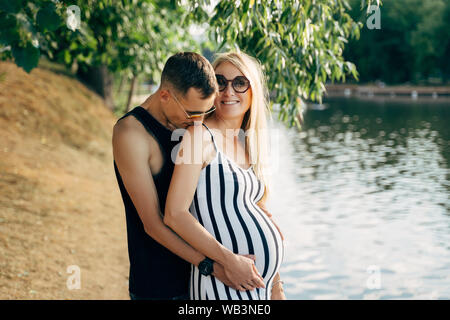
x,y
9,6
10,32
24,26
412,44
128,36
26,57
300,43
47,18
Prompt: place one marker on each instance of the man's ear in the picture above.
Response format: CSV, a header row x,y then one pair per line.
x,y
164,95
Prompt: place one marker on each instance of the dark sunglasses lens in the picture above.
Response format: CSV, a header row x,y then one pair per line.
x,y
240,84
222,82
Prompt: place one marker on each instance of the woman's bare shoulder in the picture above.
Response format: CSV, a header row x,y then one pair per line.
x,y
199,140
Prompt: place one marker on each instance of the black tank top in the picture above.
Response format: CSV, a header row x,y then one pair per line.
x,y
155,272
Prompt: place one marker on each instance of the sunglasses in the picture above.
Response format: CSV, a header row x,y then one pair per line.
x,y
240,84
192,114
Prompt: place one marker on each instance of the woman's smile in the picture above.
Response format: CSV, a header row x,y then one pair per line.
x,y
230,102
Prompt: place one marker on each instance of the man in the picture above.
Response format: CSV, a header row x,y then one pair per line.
x,y
142,147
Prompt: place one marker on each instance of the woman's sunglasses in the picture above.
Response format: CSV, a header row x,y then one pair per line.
x,y
240,84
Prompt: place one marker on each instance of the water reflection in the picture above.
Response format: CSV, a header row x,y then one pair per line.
x,y
362,197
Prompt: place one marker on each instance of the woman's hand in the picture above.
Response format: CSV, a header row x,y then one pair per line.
x,y
242,273
278,292
277,288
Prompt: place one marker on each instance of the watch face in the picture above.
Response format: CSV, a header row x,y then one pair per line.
x,y
205,267
209,268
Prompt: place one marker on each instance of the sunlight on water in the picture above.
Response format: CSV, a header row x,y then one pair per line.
x,y
362,198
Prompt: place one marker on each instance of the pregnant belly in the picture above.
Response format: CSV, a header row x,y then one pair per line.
x,y
267,243
249,231
240,225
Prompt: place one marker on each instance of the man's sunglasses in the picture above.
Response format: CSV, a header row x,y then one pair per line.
x,y
192,114
240,84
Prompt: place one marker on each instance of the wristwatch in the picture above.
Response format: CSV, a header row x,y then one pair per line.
x,y
206,267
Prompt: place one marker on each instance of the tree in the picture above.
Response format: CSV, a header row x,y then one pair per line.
x,y
299,42
128,36
431,38
413,43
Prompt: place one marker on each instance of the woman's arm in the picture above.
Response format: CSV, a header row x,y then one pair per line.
x,y
240,270
277,289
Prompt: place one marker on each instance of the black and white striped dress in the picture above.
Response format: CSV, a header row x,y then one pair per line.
x,y
225,204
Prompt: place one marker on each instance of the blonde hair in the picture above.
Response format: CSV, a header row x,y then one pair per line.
x,y
254,123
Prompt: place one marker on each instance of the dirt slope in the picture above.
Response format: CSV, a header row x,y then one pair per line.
x,y
59,201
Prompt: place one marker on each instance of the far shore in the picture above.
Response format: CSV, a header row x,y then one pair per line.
x,y
400,91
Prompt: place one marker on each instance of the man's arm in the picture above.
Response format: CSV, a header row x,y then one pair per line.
x,y
131,150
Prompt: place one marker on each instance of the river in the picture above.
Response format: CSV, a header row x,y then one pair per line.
x,y
361,195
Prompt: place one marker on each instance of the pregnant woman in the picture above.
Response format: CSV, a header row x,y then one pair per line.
x,y
219,182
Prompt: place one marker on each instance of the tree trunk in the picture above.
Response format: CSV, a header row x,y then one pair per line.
x,y
121,83
100,80
131,93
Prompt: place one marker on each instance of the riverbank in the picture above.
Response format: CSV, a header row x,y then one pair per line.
x,y
392,92
60,204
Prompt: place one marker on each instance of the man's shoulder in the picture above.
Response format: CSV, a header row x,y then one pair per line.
x,y
130,127
128,123
129,133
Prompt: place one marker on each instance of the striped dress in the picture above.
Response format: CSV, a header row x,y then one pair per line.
x,y
225,204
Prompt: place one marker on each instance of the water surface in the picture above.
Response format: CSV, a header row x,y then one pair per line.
x,y
362,197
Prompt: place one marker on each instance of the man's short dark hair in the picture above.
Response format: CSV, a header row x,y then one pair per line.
x,y
186,70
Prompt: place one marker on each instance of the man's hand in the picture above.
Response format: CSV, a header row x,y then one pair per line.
x,y
242,272
219,273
